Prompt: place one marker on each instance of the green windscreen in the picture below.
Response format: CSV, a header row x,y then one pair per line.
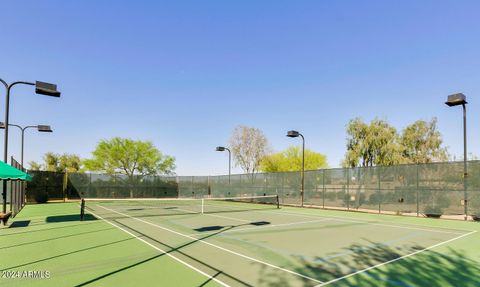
x,y
435,188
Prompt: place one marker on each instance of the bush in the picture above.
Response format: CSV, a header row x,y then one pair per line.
x,y
433,211
41,197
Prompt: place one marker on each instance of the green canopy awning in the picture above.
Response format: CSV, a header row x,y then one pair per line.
x,y
8,172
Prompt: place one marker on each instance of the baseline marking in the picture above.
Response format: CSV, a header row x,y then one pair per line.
x,y
216,246
161,250
393,260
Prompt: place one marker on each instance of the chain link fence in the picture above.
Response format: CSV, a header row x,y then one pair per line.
x,y
434,189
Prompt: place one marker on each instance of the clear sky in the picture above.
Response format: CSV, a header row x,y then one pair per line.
x,y
183,74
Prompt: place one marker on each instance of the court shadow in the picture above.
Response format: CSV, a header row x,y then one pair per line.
x,y
209,228
47,229
260,223
69,217
218,227
67,253
172,249
427,268
55,238
21,223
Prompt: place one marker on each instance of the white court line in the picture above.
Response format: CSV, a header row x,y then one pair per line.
x,y
393,260
261,227
226,217
216,246
371,223
164,252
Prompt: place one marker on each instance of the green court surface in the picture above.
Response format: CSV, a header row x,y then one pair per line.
x,y
121,245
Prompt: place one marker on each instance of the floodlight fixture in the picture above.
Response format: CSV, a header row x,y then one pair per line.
x,y
456,100
293,134
44,128
46,89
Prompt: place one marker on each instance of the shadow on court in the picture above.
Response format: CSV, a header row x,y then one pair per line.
x,y
21,223
219,227
170,249
68,218
429,268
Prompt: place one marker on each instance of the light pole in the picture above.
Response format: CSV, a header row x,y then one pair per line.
x,y
294,134
41,88
40,128
457,100
221,148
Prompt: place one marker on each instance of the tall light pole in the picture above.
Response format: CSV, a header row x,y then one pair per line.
x,y
40,128
294,134
222,148
457,100
41,88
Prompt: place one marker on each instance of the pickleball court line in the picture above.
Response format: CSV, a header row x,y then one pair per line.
x,y
163,251
394,260
215,246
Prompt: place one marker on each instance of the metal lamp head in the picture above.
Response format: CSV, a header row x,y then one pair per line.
x,y
456,100
44,128
2,125
46,89
292,134
220,148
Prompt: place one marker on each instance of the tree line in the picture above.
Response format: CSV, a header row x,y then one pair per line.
x,y
368,144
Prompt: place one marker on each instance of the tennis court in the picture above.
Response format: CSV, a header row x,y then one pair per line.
x,y
237,243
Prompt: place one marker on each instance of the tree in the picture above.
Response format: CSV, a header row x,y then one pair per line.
x,y
371,144
249,145
69,163
51,161
58,163
291,160
35,165
421,143
129,157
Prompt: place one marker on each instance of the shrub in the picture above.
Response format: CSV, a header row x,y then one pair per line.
x,y
433,211
41,197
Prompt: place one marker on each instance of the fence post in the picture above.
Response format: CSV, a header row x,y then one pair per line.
x,y
265,188
418,187
64,185
89,184
348,188
323,183
209,190
178,186
379,191
191,187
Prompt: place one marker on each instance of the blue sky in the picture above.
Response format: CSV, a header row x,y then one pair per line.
x,y
184,74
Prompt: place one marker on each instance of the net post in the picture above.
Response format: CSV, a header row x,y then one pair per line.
x,y
278,201
203,203
82,210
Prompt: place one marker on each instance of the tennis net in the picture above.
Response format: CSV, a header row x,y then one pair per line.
x,y
176,206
